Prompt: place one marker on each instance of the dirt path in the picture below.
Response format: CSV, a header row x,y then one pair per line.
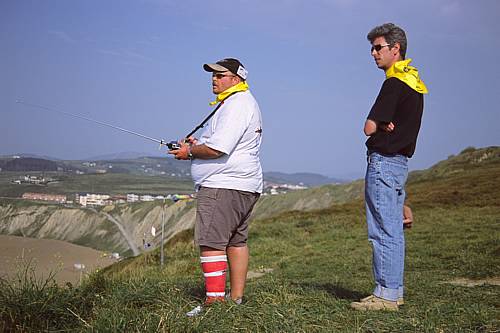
x,y
465,282
49,255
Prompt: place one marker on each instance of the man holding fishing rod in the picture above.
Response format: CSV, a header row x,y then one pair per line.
x,y
227,173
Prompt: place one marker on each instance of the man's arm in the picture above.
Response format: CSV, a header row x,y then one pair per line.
x,y
197,151
204,152
371,127
407,217
383,111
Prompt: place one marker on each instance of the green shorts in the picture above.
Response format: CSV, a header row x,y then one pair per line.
x,y
222,217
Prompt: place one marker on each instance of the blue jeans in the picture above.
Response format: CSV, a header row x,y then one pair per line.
x,y
384,198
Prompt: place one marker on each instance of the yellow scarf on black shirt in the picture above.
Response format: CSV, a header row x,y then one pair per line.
x,y
408,74
242,86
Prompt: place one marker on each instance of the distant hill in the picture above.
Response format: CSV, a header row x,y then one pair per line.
x,y
28,164
469,178
143,165
300,178
467,160
127,155
45,157
137,163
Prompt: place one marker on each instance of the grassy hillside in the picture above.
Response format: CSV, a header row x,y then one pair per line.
x,y
320,262
310,199
302,178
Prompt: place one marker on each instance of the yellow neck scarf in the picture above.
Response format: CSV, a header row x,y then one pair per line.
x,y
408,74
242,86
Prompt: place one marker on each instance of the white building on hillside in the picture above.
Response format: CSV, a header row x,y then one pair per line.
x,y
132,197
92,199
147,197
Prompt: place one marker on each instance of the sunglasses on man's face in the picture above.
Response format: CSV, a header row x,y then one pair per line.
x,y
220,75
379,47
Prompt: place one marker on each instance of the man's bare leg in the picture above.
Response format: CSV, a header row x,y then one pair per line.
x,y
209,252
238,267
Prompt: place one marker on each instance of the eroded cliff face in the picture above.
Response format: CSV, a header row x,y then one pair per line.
x,y
93,228
124,228
177,217
73,225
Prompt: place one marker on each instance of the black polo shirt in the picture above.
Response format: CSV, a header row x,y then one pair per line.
x,y
403,106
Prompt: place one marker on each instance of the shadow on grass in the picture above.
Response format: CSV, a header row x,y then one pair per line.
x,y
333,290
197,292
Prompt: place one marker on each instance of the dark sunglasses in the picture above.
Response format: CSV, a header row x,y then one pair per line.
x,y
220,75
379,47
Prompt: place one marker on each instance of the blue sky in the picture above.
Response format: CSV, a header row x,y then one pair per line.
x,y
138,65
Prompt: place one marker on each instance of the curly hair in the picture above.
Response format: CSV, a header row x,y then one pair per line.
x,y
392,34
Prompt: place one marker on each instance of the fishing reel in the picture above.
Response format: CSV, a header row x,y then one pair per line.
x,y
172,145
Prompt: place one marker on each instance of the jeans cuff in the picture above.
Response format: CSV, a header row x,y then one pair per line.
x,y
400,292
386,293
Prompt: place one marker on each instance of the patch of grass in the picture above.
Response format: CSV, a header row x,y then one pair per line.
x,y
32,303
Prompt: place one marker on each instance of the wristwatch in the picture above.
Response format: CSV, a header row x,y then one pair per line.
x,y
190,155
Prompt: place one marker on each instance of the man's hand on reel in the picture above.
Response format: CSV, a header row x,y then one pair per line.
x,y
184,152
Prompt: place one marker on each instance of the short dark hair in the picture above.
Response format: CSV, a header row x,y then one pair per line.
x,y
392,34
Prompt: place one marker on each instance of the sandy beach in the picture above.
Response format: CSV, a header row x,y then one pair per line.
x,y
68,261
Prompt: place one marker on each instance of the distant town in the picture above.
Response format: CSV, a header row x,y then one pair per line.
x,y
35,180
95,199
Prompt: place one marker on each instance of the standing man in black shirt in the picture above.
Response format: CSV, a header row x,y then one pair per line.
x,y
392,127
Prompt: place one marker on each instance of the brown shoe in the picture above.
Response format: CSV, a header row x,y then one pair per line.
x,y
374,303
400,300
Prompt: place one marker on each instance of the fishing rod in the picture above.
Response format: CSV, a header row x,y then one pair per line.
x,y
172,145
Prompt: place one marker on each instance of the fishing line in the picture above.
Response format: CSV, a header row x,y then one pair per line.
x,y
171,145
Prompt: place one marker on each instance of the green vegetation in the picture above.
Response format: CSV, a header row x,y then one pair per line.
x,y
22,203
321,261
109,183
30,303
313,198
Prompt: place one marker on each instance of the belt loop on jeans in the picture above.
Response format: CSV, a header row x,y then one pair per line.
x,y
368,159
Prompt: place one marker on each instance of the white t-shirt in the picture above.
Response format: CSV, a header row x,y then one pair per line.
x,y
235,130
